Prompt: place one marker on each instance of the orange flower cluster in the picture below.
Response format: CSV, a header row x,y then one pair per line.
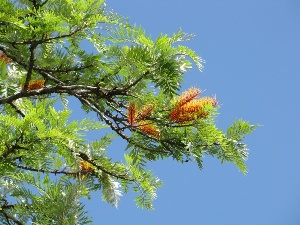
x,y
132,113
187,96
35,84
4,58
136,116
146,110
188,108
86,167
149,128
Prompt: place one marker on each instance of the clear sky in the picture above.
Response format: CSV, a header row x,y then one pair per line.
x,y
252,51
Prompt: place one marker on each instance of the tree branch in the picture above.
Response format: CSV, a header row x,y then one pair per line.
x,y
16,108
51,90
10,217
101,168
136,81
46,40
30,66
47,171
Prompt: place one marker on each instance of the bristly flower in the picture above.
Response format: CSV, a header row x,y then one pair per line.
x,y
132,113
197,108
214,101
145,111
86,167
4,58
35,84
187,96
149,128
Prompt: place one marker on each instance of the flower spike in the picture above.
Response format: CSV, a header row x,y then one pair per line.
x,y
4,58
35,85
192,110
132,113
188,96
146,110
149,128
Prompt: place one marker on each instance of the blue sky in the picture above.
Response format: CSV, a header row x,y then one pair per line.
x,y
251,49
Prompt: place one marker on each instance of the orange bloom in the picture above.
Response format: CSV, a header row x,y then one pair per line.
x,y
188,96
36,84
132,113
134,116
146,110
4,58
191,110
148,128
86,167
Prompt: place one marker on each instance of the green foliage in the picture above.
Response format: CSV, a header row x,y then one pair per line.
x,y
129,81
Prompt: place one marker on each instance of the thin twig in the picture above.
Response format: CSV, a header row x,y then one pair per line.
x,y
10,217
17,110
